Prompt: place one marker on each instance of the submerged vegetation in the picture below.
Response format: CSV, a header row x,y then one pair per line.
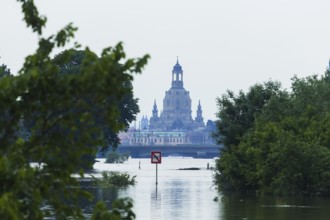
x,y
275,141
114,179
114,157
121,209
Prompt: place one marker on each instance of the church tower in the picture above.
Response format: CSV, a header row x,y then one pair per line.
x,y
176,114
177,75
144,123
155,110
199,116
154,119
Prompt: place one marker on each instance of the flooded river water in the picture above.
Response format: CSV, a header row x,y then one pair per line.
x,y
190,194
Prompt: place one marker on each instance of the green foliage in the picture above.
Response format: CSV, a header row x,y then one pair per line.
x,y
114,157
115,179
237,113
64,126
121,209
4,71
32,17
71,62
286,150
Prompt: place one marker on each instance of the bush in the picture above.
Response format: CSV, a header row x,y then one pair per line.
x,y
114,157
115,179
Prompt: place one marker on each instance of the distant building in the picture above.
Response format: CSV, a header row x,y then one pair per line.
x,y
176,114
174,125
144,123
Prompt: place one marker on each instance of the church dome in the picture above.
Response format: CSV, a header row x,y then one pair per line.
x,y
176,114
177,68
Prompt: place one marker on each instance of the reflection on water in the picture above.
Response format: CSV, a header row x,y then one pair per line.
x,y
99,194
180,194
238,206
189,194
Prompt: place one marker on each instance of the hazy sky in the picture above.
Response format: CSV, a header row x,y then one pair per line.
x,y
221,44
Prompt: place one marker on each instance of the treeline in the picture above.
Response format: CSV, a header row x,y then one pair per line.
x,y
276,141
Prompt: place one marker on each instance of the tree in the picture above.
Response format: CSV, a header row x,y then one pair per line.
x,y
286,148
62,109
4,71
237,113
128,105
70,62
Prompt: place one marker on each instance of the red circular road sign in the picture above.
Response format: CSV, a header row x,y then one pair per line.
x,y
156,157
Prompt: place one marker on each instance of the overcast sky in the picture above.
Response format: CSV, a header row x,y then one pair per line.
x,y
221,44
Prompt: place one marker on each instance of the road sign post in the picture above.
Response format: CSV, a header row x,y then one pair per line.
x,y
156,157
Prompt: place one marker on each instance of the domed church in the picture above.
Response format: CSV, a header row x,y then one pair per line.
x,y
176,114
174,126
